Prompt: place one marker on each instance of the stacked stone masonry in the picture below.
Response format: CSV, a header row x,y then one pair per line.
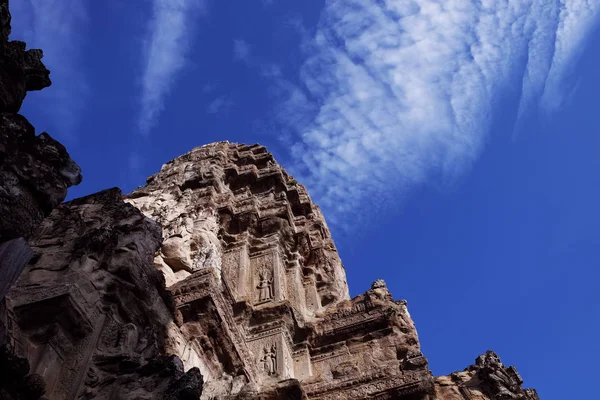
x,y
260,290
262,297
217,280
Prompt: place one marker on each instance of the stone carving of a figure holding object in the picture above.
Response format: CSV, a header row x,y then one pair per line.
x,y
265,285
269,359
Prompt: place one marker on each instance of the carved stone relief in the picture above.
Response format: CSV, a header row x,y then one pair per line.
x,y
269,359
272,354
265,285
232,270
266,278
313,302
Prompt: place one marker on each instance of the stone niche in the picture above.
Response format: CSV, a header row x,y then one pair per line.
x,y
267,278
263,277
236,272
271,351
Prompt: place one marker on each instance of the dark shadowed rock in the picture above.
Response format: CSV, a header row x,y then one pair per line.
x,y
35,171
17,382
4,21
21,70
93,298
186,387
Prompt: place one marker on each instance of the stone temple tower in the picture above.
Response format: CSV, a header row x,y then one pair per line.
x,y
217,280
260,290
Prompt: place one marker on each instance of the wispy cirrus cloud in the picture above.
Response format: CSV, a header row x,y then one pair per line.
x,y
403,90
164,53
58,28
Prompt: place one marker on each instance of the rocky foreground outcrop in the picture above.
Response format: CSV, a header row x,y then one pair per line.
x,y
35,171
90,312
218,279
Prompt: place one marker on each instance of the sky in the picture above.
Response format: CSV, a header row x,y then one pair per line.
x,y
453,145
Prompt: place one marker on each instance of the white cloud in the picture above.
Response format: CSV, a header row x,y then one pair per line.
x,y
165,51
57,27
576,20
208,88
406,89
219,105
135,161
241,51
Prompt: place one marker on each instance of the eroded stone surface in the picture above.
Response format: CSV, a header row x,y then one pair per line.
x,y
487,379
90,312
260,290
35,171
257,305
220,197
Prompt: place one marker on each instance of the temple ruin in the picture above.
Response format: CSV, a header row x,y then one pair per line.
x,y
218,279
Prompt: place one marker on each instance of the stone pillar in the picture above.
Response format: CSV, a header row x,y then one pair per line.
x,y
302,363
294,286
235,267
313,303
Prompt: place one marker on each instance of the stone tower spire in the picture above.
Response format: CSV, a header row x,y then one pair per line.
x,y
260,289
232,208
217,280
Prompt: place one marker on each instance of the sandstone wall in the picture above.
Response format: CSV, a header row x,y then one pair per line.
x,y
246,247
246,292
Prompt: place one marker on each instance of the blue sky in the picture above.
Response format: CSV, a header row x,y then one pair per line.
x,y
453,145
